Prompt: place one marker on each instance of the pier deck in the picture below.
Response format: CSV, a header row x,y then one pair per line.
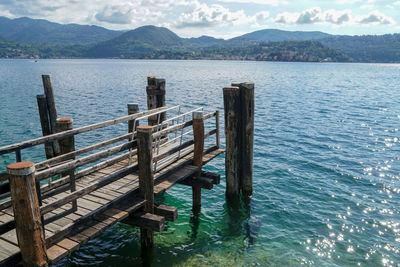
x,y
82,204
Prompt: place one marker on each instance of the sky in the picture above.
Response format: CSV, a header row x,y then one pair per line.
x,y
218,18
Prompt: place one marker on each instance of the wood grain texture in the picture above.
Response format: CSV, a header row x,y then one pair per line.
x,y
27,218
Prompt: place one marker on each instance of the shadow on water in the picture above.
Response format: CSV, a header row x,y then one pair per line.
x,y
239,219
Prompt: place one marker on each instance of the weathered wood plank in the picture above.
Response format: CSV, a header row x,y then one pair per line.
x,y
55,253
174,178
68,244
169,213
148,221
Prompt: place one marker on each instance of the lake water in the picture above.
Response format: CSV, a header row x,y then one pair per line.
x,y
326,158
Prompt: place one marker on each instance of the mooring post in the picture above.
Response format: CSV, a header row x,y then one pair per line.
x,y
133,108
247,136
155,90
232,134
45,123
239,133
28,223
51,106
146,180
198,133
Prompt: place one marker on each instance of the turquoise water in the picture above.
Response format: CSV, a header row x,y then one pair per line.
x,y
326,158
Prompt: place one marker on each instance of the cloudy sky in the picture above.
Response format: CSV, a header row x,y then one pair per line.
x,y
218,18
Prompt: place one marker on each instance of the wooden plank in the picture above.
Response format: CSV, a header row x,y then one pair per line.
x,y
95,199
79,238
68,244
8,248
172,179
116,213
56,253
10,236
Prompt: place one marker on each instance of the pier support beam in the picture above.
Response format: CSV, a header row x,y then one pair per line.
x,y
30,233
146,180
155,90
239,133
198,132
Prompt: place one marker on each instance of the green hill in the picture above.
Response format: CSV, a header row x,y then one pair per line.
x,y
45,32
368,48
273,35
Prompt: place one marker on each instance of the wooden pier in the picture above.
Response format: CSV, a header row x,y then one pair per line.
x,y
50,208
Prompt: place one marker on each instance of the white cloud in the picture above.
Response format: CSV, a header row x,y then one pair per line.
x,y
375,17
349,2
336,17
262,2
119,14
367,6
203,16
314,15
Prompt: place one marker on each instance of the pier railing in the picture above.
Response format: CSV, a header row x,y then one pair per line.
x,y
169,141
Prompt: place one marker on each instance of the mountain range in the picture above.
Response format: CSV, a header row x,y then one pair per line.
x,y
25,37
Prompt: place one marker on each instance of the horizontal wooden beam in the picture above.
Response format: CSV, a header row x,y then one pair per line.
x,y
47,138
214,176
202,182
206,180
169,213
147,221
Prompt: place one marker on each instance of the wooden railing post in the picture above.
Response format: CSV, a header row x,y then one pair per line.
x,y
133,108
146,180
198,133
155,98
30,233
232,123
67,144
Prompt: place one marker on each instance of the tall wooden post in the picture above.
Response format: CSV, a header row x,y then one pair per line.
x,y
133,108
146,179
67,144
51,106
198,133
239,133
45,123
155,97
247,136
232,155
30,233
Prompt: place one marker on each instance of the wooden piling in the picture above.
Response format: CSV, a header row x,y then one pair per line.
x,y
232,140
29,229
155,90
133,108
198,133
51,106
247,136
239,133
45,123
146,180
